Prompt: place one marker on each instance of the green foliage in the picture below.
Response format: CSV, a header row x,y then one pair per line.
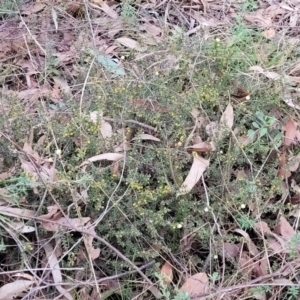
x,y
293,292
128,11
8,8
293,245
262,128
245,223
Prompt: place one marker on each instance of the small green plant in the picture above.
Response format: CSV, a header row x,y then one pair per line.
x,y
263,127
245,222
293,292
260,290
16,187
293,245
182,296
214,277
128,11
249,5
166,293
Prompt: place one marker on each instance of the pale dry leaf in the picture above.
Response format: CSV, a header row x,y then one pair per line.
x,y
24,275
151,29
14,289
28,149
52,210
196,285
295,186
269,33
111,49
5,196
284,229
295,213
65,222
32,9
246,140
106,8
256,68
20,227
62,83
211,128
272,75
145,136
251,246
290,132
166,273
122,147
94,116
294,19
241,175
283,282
105,130
33,94
55,270
227,116
289,102
286,6
105,156
130,43
274,9
94,252
17,212
195,112
292,78
5,175
258,18
54,18
198,167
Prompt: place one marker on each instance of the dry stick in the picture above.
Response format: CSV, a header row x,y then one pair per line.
x,y
253,283
152,288
132,121
111,247
41,269
123,257
84,85
76,284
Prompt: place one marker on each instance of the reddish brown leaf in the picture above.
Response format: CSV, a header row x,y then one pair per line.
x,y
263,228
200,147
284,229
196,285
232,250
167,273
290,132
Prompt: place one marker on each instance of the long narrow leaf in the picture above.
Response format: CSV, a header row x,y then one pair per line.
x,y
198,167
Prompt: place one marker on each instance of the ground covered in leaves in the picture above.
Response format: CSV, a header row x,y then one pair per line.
x,y
149,149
